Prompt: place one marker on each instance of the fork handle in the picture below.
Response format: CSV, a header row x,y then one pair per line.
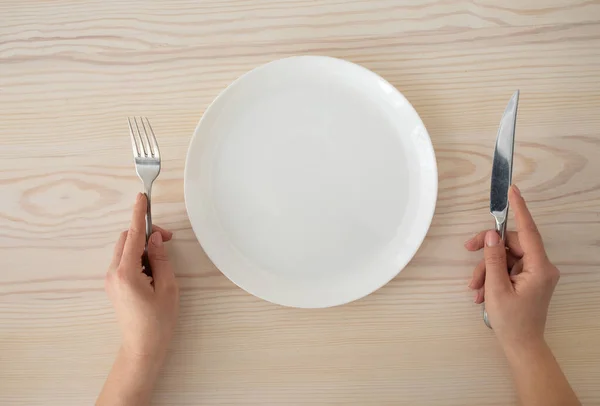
x,y
145,260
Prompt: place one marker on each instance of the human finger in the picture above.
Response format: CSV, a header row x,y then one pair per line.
x,y
479,296
529,236
120,244
166,234
511,259
478,278
516,269
494,252
136,235
162,270
118,251
512,242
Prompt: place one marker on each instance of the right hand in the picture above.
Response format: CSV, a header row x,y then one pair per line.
x,y
516,302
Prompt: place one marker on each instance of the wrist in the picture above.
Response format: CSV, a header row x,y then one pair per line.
x,y
144,352
523,350
143,365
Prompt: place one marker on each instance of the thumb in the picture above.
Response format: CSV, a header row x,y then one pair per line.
x,y
162,271
496,271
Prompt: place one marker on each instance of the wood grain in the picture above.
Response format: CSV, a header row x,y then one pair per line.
x,y
71,71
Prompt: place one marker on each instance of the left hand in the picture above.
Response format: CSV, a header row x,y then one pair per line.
x,y
146,307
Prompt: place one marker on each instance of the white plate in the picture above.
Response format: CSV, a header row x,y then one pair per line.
x,y
310,182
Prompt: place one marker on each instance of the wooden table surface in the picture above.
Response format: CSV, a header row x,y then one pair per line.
x,y
71,71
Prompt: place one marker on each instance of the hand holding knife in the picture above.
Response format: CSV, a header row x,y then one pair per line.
x,y
502,171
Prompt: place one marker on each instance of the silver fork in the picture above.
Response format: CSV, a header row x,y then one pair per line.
x,y
147,165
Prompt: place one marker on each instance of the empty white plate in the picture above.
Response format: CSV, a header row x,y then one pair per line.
x,y
310,182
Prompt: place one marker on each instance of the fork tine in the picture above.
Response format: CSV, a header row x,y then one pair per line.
x,y
152,138
138,138
144,138
134,146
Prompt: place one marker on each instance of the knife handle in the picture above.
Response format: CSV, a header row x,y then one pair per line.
x,y
500,229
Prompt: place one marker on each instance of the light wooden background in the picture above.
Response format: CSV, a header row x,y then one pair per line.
x,y
71,71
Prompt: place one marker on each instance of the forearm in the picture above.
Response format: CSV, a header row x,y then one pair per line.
x,y
538,377
130,381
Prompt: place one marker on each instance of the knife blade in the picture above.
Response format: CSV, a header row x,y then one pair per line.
x,y
502,171
502,166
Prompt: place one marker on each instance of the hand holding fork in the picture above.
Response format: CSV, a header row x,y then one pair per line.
x,y
147,165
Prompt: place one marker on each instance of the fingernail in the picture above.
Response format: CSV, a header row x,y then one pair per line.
x,y
492,238
156,239
517,190
475,299
138,197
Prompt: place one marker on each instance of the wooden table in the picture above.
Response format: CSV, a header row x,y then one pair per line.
x,y
71,71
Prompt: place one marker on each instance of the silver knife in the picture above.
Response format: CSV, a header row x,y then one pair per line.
x,y
502,171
